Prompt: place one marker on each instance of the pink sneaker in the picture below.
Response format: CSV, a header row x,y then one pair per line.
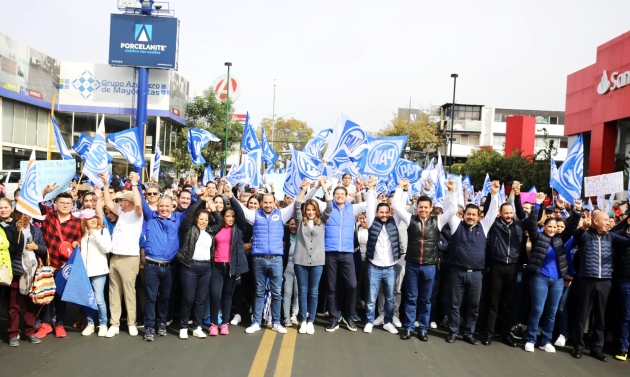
x,y
224,329
214,330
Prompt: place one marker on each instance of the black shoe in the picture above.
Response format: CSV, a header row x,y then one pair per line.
x,y
517,332
423,336
577,354
599,356
444,322
487,339
349,323
162,329
332,326
405,335
471,339
451,338
148,335
508,340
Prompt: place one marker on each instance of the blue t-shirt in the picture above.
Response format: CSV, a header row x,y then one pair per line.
x,y
550,265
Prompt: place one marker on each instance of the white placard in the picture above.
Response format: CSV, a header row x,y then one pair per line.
x,y
603,184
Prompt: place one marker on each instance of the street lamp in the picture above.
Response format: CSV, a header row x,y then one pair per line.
x,y
227,118
454,76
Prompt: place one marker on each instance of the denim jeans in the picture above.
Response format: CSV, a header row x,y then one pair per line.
x,y
623,287
545,294
195,281
341,264
156,278
418,284
562,314
290,296
267,269
222,286
308,286
521,297
376,276
98,285
464,285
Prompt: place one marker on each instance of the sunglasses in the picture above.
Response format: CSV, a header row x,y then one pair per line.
x,y
152,193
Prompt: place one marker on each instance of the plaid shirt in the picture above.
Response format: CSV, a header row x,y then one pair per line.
x,y
70,230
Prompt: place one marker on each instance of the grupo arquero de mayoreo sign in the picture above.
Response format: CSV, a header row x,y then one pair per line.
x,y
143,41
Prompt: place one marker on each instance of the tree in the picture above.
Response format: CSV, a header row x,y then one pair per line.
x,y
206,113
423,135
288,131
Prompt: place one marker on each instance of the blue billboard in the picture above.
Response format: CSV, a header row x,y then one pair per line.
x,y
143,41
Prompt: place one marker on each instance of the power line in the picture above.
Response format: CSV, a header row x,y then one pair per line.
x,y
75,21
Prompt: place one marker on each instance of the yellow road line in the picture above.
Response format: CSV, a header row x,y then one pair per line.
x,y
259,366
287,350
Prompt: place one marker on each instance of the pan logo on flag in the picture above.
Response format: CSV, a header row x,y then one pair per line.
x,y
97,160
30,183
407,170
382,157
129,144
353,137
306,167
66,271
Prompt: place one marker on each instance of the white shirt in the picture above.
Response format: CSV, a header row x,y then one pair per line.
x,y
202,247
362,235
383,253
94,250
126,237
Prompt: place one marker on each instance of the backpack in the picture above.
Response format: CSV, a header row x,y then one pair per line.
x,y
42,291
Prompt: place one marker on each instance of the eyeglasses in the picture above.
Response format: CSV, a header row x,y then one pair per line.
x,y
152,193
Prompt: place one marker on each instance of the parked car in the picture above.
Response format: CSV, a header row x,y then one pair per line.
x,y
10,179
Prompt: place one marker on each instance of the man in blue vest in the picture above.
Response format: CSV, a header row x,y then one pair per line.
x,y
267,250
339,247
423,239
468,258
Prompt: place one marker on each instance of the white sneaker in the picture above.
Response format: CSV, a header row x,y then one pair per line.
x,y
112,331
379,320
303,328
88,330
279,328
368,328
416,324
199,333
102,331
287,322
391,328
561,341
396,322
294,320
433,325
529,347
183,333
168,323
133,331
253,328
310,328
548,348
236,320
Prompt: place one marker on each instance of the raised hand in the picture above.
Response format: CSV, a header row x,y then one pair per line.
x,y
49,188
516,187
211,206
305,184
578,205
540,197
496,186
450,184
322,181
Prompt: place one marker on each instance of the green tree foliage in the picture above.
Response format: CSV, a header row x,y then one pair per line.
x,y
287,131
205,112
423,135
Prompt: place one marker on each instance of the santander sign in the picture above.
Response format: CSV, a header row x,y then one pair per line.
x,y
617,81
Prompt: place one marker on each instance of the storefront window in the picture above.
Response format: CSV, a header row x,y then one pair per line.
x,y
19,123
64,122
31,125
7,121
42,128
150,135
83,122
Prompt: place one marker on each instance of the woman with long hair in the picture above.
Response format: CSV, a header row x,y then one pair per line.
x,y
361,235
96,243
546,269
25,244
309,256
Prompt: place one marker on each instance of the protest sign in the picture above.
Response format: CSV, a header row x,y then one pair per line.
x,y
528,197
52,171
603,184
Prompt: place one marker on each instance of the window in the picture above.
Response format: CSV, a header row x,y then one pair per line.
x,y
7,121
560,120
542,120
19,123
14,177
540,142
456,139
464,139
499,117
564,143
42,128
64,122
498,140
83,123
473,140
31,125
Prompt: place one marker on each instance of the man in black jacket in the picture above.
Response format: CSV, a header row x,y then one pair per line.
x,y
467,250
505,242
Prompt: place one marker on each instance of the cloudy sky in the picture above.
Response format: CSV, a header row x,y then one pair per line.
x,y
364,58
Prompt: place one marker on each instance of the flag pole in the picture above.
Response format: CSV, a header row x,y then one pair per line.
x,y
50,128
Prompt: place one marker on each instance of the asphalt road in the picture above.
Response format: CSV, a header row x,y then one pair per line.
x,y
267,353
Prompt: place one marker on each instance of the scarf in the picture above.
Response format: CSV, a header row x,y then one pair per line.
x,y
29,264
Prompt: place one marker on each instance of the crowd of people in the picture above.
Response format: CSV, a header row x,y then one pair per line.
x,y
539,274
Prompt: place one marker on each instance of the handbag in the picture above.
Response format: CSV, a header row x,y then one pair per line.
x,y
65,247
42,291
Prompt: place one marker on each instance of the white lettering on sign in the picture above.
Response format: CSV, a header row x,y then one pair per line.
x,y
617,81
603,184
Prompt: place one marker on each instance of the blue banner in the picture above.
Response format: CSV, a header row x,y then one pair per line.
x,y
407,169
208,175
197,140
31,194
155,173
96,161
141,41
249,142
269,156
61,144
487,185
346,145
83,145
315,146
60,172
568,181
73,284
380,159
129,145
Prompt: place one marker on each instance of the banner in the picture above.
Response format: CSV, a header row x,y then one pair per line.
x,y
129,145
269,156
60,172
96,161
528,197
315,146
382,155
249,142
61,144
345,145
31,194
568,180
603,184
197,139
407,169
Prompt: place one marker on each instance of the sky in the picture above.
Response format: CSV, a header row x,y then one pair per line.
x,y
362,58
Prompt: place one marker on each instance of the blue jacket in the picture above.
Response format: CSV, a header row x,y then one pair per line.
x,y
595,254
339,234
467,247
162,235
268,233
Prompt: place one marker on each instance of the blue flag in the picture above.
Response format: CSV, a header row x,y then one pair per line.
x,y
305,165
249,142
129,145
269,156
487,185
248,172
407,169
346,145
155,173
197,139
208,175
568,180
82,146
502,194
31,194
292,183
381,187
61,144
315,146
73,284
96,161
431,164
533,190
380,159
554,170
590,206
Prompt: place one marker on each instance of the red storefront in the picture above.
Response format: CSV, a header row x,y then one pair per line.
x,y
598,106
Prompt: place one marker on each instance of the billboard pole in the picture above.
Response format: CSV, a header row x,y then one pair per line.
x,y
227,118
141,118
